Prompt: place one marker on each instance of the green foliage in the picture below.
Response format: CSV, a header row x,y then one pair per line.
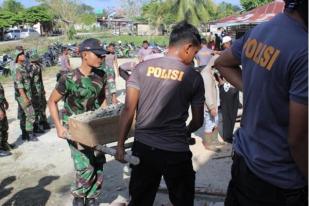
x,y
87,19
6,19
251,4
197,12
12,6
158,13
225,9
37,14
194,11
71,33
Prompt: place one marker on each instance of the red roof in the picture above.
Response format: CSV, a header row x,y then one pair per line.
x,y
254,16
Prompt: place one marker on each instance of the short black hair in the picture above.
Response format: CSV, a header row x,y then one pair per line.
x,y
183,32
145,42
204,41
111,44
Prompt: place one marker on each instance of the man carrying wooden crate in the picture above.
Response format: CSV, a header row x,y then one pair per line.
x,y
80,90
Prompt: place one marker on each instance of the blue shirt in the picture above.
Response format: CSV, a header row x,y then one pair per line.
x,y
203,56
274,57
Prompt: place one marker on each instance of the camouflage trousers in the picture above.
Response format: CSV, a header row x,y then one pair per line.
x,y
111,82
39,106
26,115
4,127
89,172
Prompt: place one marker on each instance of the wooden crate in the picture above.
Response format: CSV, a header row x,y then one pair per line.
x,y
96,132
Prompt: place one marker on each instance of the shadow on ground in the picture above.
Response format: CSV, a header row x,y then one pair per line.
x,y
36,195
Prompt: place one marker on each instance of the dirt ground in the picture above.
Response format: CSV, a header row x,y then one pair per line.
x,y
40,173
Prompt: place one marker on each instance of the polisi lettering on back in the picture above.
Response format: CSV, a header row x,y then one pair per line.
x,y
262,54
170,74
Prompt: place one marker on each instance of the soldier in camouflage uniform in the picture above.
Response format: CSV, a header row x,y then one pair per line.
x,y
4,126
110,66
22,83
80,89
38,94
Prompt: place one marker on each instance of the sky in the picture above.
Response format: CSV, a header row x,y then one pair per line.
x,y
100,4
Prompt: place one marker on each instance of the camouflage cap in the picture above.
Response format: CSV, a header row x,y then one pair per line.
x,y
34,56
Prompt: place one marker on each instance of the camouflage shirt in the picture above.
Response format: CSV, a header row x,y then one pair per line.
x,y
81,93
2,99
22,80
37,86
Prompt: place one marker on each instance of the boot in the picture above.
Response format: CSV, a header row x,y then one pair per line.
x,y
4,142
37,129
32,137
4,153
91,202
78,201
45,125
25,136
7,147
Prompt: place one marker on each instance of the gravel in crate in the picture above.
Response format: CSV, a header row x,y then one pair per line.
x,y
108,112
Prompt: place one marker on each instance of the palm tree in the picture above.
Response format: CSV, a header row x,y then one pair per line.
x,y
194,11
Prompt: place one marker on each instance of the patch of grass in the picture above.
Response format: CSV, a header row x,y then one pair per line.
x,y
50,71
47,72
6,80
42,43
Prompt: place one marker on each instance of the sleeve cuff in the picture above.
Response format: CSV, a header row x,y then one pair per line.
x,y
60,92
133,86
300,100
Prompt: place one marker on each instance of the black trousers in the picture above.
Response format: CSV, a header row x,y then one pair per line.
x,y
246,189
176,169
229,106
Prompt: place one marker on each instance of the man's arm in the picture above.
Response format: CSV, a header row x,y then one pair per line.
x,y
228,66
24,96
298,135
197,118
67,63
126,119
54,98
116,66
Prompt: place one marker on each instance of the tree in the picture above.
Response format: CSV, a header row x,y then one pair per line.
x,y
88,19
12,6
38,14
158,13
194,11
251,4
6,19
85,9
67,11
225,9
133,8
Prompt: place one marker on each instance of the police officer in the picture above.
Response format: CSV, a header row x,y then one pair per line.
x,y
270,164
5,147
80,90
23,95
161,91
